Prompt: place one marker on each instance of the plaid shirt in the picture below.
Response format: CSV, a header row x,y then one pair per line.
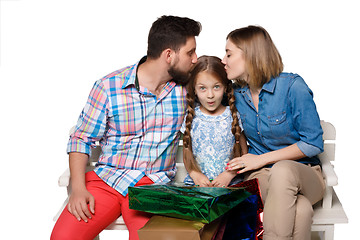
x,y
138,132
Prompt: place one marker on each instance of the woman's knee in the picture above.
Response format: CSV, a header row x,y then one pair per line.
x,y
283,172
303,218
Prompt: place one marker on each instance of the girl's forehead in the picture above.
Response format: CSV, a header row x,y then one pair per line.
x,y
206,77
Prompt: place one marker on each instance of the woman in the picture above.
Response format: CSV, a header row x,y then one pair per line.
x,y
283,130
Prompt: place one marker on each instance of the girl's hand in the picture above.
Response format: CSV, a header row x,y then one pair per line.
x,y
200,179
78,205
246,163
223,179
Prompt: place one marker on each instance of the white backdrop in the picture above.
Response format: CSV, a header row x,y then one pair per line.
x,y
53,51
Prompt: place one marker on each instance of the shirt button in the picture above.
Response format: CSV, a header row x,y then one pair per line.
x,y
258,133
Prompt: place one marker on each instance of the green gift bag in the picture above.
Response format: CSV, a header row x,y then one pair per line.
x,y
203,204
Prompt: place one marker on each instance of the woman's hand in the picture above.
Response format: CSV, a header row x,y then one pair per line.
x,y
200,179
250,161
224,179
246,163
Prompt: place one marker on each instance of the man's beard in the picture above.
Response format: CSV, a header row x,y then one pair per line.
x,y
178,76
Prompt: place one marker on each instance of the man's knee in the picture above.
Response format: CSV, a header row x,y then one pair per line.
x,y
61,234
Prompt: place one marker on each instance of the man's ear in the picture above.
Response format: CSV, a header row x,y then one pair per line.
x,y
168,55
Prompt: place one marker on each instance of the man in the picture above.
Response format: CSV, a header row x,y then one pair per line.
x,y
135,113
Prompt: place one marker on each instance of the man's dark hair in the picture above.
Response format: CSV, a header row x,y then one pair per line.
x,y
170,32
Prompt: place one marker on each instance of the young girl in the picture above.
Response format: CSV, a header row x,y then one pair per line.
x,y
212,133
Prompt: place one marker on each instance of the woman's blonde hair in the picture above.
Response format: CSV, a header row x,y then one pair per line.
x,y
262,59
213,66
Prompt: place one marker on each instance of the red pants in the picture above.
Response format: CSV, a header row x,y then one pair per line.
x,y
109,205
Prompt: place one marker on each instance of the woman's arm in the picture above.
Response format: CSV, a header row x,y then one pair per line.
x,y
249,161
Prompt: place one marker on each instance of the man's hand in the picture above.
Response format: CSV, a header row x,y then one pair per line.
x,y
78,205
80,197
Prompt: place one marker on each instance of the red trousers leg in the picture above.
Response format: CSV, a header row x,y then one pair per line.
x,y
109,205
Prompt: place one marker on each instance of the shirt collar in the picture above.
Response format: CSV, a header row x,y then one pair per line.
x,y
132,77
269,86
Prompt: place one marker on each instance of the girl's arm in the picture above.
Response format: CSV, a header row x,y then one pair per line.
x,y
200,179
224,179
249,161
196,175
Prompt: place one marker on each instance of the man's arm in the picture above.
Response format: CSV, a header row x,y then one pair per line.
x,y
80,197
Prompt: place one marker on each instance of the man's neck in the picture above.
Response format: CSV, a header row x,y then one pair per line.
x,y
153,75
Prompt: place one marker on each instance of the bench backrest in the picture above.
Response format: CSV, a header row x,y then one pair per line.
x,y
329,137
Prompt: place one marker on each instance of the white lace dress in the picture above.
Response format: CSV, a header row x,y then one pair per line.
x,y
212,142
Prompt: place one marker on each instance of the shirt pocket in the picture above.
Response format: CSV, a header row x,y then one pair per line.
x,y
278,125
172,113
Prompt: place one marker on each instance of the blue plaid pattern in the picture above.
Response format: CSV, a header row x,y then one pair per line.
x,y
138,132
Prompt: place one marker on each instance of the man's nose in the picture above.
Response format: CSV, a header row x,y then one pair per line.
x,y
194,60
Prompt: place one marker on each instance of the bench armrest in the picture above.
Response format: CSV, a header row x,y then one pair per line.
x,y
64,179
329,174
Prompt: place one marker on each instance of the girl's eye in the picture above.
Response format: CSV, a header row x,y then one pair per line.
x,y
202,88
217,87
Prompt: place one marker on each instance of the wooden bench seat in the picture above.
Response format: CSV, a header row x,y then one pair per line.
x,y
327,212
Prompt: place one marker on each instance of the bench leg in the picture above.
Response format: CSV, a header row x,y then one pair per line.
x,y
327,200
317,235
329,232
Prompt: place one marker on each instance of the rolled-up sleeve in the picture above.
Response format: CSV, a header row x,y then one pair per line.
x,y
305,118
307,149
91,124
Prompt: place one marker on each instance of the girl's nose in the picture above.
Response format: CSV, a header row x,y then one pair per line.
x,y
210,93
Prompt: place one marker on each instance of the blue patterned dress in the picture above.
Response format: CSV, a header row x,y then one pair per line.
x,y
212,142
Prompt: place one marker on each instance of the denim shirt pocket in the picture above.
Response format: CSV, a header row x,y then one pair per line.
x,y
279,127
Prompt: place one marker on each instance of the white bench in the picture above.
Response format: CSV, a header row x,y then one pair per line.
x,y
327,212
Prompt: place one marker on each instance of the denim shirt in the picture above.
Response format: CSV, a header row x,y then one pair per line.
x,y
286,115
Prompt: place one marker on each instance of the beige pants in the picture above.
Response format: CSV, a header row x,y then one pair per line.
x,y
289,189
